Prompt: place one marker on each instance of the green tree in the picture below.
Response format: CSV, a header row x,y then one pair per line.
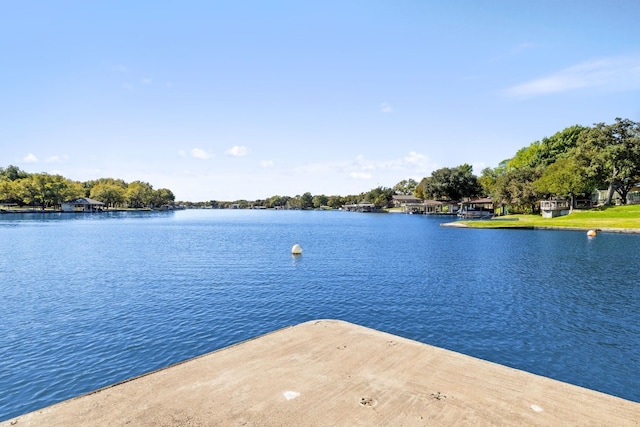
x,y
420,191
277,201
405,187
564,178
561,144
111,194
163,196
306,201
139,194
320,201
335,202
12,173
9,191
610,155
381,196
515,187
526,157
44,190
451,184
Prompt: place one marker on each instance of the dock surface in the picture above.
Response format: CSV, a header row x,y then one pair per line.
x,y
333,373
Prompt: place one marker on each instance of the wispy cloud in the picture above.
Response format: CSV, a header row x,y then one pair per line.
x,y
385,108
266,164
237,151
57,159
360,175
199,153
413,164
612,74
30,158
146,81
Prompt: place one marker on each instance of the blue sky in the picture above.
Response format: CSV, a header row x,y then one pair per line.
x,y
250,99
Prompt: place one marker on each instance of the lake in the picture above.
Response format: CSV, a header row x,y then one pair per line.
x,y
92,299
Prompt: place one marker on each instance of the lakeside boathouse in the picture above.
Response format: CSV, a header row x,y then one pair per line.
x,y
82,204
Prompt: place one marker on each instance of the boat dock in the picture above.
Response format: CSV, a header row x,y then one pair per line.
x,y
333,373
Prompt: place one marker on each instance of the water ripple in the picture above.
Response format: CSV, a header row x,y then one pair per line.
x,y
92,300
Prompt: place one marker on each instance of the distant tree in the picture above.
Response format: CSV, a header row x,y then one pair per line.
x,y
320,201
610,155
515,187
277,201
44,190
306,201
420,191
139,194
451,183
110,194
162,196
380,196
561,144
526,157
564,178
405,187
9,191
12,173
335,202
487,180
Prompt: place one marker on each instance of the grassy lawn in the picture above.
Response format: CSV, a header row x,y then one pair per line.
x,y
598,218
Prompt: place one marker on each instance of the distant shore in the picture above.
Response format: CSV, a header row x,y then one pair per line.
x,y
461,224
612,219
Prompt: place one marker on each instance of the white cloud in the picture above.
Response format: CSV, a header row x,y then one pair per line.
x,y
199,153
612,74
266,163
385,108
57,159
146,81
30,158
360,175
237,151
414,164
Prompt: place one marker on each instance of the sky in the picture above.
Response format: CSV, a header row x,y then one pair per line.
x,y
248,99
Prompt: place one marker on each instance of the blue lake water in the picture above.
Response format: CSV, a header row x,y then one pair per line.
x,y
90,300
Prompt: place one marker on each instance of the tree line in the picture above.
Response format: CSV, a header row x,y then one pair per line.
x,y
50,191
380,196
571,163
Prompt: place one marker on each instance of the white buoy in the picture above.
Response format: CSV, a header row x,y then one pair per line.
x,y
296,249
591,233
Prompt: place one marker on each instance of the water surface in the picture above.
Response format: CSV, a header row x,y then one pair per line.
x,y
90,300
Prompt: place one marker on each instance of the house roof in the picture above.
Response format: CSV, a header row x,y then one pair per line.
x,y
84,201
484,200
402,197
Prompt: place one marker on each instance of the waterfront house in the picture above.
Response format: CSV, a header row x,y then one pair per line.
x,y
555,206
476,208
363,206
399,200
82,204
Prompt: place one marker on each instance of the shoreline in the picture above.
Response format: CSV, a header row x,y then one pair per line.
x,y
542,227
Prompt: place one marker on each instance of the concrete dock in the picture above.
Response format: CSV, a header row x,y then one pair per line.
x,y
333,373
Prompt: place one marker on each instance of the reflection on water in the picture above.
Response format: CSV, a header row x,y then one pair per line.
x,y
89,300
